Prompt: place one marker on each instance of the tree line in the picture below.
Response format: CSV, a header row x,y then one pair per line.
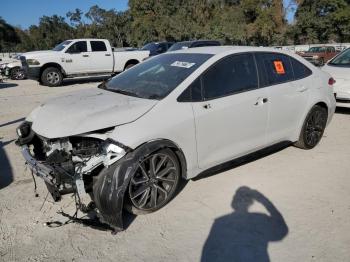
x,y
237,22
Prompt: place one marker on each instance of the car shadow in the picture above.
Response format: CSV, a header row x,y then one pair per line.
x,y
6,173
342,110
12,122
243,235
7,85
87,80
243,160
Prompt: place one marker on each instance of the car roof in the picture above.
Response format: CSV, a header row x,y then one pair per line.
x,y
87,39
214,50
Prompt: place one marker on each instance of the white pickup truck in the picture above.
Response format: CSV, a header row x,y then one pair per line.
x,y
78,58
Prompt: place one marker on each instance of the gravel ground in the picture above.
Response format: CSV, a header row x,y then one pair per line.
x,y
298,211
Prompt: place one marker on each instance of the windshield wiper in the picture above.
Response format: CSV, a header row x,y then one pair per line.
x,y
123,92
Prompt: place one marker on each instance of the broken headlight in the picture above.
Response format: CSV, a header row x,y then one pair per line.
x,y
113,151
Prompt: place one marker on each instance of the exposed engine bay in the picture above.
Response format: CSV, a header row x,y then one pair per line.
x,y
69,165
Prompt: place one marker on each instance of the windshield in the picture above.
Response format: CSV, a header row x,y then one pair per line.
x,y
317,49
156,77
342,60
178,46
61,46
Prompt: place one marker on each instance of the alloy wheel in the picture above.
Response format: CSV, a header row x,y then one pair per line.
x,y
315,127
154,182
18,74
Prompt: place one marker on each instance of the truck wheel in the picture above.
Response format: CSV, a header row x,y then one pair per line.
x,y
321,62
17,73
129,66
51,76
313,128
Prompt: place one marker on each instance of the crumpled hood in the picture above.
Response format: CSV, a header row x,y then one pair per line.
x,y
86,111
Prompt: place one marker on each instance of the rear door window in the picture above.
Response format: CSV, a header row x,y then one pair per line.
x,y
233,74
300,71
274,69
98,46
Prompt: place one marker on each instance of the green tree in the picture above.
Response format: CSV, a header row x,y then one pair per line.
x,y
322,21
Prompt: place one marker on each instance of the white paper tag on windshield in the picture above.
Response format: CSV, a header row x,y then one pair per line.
x,y
183,64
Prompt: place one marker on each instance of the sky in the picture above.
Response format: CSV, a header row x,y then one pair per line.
x,y
27,12
24,13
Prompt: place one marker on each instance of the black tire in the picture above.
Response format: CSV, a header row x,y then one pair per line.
x,y
17,73
163,187
128,66
321,62
313,128
52,77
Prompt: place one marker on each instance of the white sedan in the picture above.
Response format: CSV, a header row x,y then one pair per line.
x,y
129,142
339,68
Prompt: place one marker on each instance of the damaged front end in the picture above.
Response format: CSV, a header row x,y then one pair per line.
x,y
74,164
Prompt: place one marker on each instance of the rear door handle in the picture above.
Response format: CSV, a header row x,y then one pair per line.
x,y
260,101
85,55
302,89
107,54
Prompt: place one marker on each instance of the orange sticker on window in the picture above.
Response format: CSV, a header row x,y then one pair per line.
x,y
279,67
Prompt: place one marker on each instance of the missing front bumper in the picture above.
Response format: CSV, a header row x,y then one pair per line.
x,y
47,173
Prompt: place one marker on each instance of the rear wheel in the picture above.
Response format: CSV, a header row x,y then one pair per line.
x,y
313,128
128,66
154,183
52,76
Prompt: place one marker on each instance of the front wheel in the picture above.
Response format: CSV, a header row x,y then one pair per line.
x,y
313,128
52,76
17,74
154,183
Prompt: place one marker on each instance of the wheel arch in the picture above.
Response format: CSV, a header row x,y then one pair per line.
x,y
52,64
131,62
321,103
157,144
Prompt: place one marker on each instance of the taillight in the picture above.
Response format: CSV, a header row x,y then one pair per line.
x,y
331,81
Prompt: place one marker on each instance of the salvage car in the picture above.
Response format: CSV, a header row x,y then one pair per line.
x,y
339,68
78,58
13,69
319,55
129,142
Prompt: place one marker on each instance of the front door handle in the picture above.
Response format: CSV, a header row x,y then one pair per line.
x,y
85,55
207,106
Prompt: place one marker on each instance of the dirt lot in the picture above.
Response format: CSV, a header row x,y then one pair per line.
x,y
300,212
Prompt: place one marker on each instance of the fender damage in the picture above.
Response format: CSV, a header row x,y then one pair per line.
x,y
111,186
87,164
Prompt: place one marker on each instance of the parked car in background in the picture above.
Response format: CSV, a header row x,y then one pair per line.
x,y
191,44
339,68
157,48
13,69
78,58
319,55
129,142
